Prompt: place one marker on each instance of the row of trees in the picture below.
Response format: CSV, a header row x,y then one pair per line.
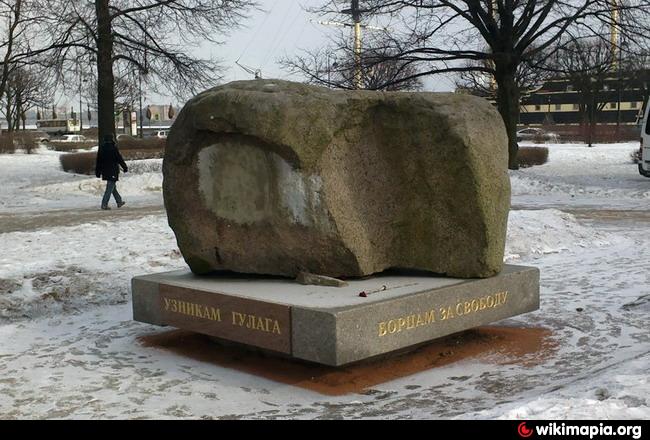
x,y
597,73
507,41
56,42
504,45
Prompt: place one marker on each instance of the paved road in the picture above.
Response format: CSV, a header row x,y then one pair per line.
x,y
32,221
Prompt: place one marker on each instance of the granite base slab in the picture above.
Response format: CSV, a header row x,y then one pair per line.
x,y
332,325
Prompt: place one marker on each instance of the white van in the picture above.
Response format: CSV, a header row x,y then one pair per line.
x,y
71,138
644,164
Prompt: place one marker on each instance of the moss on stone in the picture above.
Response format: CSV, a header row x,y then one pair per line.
x,y
338,183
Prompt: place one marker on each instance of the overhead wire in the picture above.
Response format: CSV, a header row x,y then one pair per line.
x,y
285,32
259,28
275,36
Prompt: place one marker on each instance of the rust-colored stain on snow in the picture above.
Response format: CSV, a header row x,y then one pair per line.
x,y
500,345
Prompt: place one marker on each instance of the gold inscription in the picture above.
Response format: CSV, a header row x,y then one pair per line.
x,y
253,322
407,323
462,308
249,321
192,309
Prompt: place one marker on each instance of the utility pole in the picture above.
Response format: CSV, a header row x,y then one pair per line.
x,y
140,73
614,32
493,79
616,51
140,93
356,12
356,18
81,110
619,85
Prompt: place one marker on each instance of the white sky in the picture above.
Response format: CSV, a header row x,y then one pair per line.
x,y
281,28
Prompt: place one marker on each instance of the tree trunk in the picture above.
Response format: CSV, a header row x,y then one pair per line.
x,y
10,119
105,78
508,105
19,113
592,120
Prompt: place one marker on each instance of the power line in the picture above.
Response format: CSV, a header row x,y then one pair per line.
x,y
287,30
284,19
268,14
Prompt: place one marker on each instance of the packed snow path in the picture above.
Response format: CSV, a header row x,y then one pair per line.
x,y
66,217
69,349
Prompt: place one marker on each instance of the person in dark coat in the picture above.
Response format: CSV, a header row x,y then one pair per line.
x,y
109,161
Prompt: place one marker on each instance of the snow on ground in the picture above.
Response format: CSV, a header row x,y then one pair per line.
x,y
548,231
36,183
583,177
96,260
69,347
64,268
622,394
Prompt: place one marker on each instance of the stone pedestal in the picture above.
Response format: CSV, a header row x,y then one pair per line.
x,y
330,325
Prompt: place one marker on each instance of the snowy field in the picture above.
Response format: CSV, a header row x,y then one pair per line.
x,y
601,176
36,183
69,349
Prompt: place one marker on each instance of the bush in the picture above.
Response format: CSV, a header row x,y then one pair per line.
x,y
79,163
145,166
539,138
142,144
26,141
7,145
531,156
142,154
71,146
84,163
9,142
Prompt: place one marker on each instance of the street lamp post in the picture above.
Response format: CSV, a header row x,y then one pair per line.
x,y
141,134
619,68
81,110
329,85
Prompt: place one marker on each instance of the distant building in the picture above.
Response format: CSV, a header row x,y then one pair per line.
x,y
62,113
556,102
159,117
160,113
155,117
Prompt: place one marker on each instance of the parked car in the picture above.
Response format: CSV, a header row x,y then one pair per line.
x,y
125,137
644,163
161,134
40,137
71,138
537,135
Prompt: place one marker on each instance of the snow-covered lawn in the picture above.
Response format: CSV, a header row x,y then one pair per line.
x,y
68,346
36,183
583,177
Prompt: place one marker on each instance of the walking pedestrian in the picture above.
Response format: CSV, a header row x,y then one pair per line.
x,y
109,161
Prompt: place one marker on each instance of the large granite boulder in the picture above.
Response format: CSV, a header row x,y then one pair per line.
x,y
274,177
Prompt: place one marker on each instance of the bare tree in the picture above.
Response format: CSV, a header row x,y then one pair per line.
x,y
19,21
335,66
530,75
26,88
11,15
586,63
497,36
635,69
150,37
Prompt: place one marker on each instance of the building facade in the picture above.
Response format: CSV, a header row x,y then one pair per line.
x,y
556,102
